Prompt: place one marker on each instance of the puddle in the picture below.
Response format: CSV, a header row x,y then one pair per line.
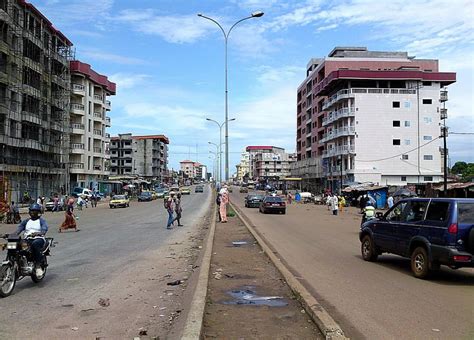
x,y
247,296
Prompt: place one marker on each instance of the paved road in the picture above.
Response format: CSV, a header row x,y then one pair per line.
x,y
379,300
115,250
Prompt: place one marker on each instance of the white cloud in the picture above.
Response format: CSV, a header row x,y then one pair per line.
x,y
127,81
174,29
111,57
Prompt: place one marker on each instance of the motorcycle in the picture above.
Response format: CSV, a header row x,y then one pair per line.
x,y
19,262
13,218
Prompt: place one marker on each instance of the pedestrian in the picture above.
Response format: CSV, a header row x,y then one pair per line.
x,y
55,203
328,201
390,201
218,202
94,200
69,219
342,203
169,205
224,200
178,209
363,202
334,204
289,198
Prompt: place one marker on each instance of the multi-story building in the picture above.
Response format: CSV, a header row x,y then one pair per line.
x,y
34,103
193,169
365,116
269,162
139,156
89,157
243,167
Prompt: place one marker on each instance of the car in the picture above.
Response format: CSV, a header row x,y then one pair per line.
x,y
50,205
145,196
153,194
84,193
160,192
199,188
185,191
253,200
429,231
243,190
119,201
272,204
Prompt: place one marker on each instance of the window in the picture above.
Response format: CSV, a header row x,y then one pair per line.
x,y
396,142
404,157
427,101
427,138
403,178
437,211
396,213
466,213
415,211
427,120
426,83
407,123
407,105
407,142
428,178
395,104
428,157
396,123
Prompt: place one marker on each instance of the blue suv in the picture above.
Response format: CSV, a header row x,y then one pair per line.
x,y
429,231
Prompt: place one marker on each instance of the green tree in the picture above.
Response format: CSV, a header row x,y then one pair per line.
x,y
458,168
468,173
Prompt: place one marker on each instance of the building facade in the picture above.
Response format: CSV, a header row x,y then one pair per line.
x,y
139,156
89,158
243,168
193,169
267,162
366,116
34,103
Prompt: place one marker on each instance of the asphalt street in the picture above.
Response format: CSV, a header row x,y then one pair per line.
x,y
379,300
113,251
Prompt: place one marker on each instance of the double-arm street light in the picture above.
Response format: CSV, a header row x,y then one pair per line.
x,y
226,38
220,125
217,159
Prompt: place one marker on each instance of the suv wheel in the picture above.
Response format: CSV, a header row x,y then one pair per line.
x,y
420,263
367,248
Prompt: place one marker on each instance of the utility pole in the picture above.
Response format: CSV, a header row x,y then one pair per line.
x,y
444,130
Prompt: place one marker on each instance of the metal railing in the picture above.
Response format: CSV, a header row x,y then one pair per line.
x,y
339,150
97,150
77,126
98,115
78,87
76,166
341,113
97,132
77,146
77,107
98,97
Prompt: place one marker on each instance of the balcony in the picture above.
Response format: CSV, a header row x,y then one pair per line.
x,y
98,115
98,98
97,132
107,136
76,166
339,150
108,105
77,128
78,89
77,148
342,94
77,108
443,113
97,150
97,167
336,115
443,96
345,131
107,121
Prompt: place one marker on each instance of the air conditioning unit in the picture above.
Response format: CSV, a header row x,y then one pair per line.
x,y
443,113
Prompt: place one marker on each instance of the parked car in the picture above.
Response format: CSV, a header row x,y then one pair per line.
x,y
145,196
119,201
199,188
50,205
429,231
185,191
272,204
243,190
84,193
253,200
160,192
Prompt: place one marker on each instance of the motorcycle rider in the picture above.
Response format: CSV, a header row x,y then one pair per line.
x,y
14,212
31,227
369,212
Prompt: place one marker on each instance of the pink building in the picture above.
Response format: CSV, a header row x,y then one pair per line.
x,y
357,107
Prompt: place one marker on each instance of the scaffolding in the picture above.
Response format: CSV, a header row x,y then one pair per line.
x,y
34,103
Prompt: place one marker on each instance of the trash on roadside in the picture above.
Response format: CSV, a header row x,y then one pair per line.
x,y
75,328
217,275
249,297
143,332
174,283
104,302
239,243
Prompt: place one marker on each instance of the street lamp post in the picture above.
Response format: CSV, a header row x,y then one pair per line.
x,y
220,142
226,38
218,157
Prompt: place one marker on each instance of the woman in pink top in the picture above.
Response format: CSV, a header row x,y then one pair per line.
x,y
223,206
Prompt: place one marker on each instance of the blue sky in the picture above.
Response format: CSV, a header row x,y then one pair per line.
x,y
169,64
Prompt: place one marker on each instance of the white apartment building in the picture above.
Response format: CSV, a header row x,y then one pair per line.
x,y
89,142
269,162
243,167
367,116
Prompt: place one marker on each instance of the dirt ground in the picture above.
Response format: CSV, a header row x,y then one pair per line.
x,y
248,269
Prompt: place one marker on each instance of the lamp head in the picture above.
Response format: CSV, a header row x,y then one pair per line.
x,y
257,14
199,14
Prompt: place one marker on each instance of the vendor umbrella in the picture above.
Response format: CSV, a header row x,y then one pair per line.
x,y
404,192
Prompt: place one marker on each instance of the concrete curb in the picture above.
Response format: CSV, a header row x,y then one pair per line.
x,y
326,324
193,325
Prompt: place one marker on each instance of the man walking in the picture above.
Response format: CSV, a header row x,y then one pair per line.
x,y
178,209
334,204
169,205
390,201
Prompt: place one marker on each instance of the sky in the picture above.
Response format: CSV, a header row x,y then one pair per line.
x,y
168,63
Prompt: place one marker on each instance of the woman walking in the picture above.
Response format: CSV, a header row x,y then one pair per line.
x,y
69,221
223,206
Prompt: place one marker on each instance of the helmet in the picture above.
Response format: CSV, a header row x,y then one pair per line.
x,y
35,207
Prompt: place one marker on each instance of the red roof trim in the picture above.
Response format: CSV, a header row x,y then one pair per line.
x,y
161,137
444,77
257,147
186,161
49,23
77,66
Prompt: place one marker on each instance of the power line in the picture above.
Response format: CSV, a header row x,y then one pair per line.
x,y
403,153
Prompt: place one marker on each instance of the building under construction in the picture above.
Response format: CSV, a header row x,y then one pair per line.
x,y
34,103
